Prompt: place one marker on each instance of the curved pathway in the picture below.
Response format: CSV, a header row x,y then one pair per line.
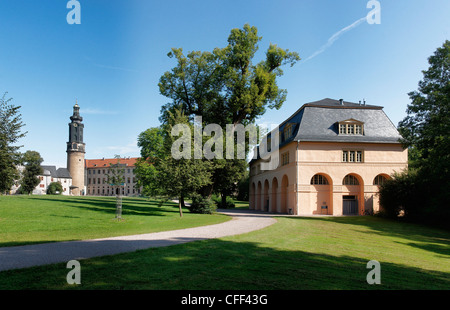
x,y
242,221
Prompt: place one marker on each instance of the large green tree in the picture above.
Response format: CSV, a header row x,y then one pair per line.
x,y
426,132
10,132
32,161
181,176
225,86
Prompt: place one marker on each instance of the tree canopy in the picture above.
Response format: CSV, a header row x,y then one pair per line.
x,y
10,132
426,132
224,87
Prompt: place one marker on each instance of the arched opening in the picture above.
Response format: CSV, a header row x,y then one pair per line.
x,y
352,194
321,194
258,197
252,196
265,206
380,179
274,206
284,194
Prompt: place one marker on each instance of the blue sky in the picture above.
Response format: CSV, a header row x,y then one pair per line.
x,y
112,61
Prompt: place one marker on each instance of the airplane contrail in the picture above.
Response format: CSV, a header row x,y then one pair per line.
x,y
334,37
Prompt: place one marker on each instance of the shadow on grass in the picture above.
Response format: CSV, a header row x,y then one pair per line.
x,y
421,236
130,206
224,265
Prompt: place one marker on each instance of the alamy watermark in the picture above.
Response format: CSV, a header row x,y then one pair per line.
x,y
235,140
374,275
74,15
374,16
74,276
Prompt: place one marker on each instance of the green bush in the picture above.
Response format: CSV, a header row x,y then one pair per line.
x,y
229,203
414,197
202,205
55,188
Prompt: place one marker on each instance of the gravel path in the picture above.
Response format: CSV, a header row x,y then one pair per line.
x,y
242,221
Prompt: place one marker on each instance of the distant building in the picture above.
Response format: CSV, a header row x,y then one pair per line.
x,y
333,155
49,174
97,171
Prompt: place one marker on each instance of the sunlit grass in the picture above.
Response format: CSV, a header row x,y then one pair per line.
x,y
36,219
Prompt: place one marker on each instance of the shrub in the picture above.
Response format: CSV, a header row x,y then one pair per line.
x,y
55,188
202,205
229,203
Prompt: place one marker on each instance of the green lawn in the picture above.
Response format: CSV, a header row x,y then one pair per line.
x,y
295,253
36,219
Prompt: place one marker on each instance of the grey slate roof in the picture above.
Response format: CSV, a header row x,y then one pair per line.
x,y
318,121
54,173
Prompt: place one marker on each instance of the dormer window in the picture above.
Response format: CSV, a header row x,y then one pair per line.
x,y
351,127
287,132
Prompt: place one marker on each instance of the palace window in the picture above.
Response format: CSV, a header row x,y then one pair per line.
x,y
319,180
287,131
350,180
351,127
352,156
285,159
379,180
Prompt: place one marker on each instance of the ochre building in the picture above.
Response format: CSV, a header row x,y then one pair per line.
x,y
332,155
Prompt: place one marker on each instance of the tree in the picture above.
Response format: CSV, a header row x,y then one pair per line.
x,y
225,87
151,143
32,161
181,177
116,179
55,188
10,133
426,132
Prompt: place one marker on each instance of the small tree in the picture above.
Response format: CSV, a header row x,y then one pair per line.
x,y
116,180
32,161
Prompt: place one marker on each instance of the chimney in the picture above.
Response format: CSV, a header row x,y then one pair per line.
x,y
341,101
359,102
364,102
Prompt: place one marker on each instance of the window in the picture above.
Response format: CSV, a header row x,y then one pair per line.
x,y
351,127
352,156
285,159
379,180
350,180
319,180
287,131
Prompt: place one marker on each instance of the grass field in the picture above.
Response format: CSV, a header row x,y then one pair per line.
x,y
37,219
295,253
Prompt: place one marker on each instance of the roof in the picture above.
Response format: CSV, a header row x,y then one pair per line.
x,y
62,173
318,122
106,162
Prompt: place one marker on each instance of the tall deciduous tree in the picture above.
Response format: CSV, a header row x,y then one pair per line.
x,y
10,132
32,161
426,132
181,177
225,86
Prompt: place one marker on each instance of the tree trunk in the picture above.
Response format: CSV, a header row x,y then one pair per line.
x,y
182,201
179,206
224,199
